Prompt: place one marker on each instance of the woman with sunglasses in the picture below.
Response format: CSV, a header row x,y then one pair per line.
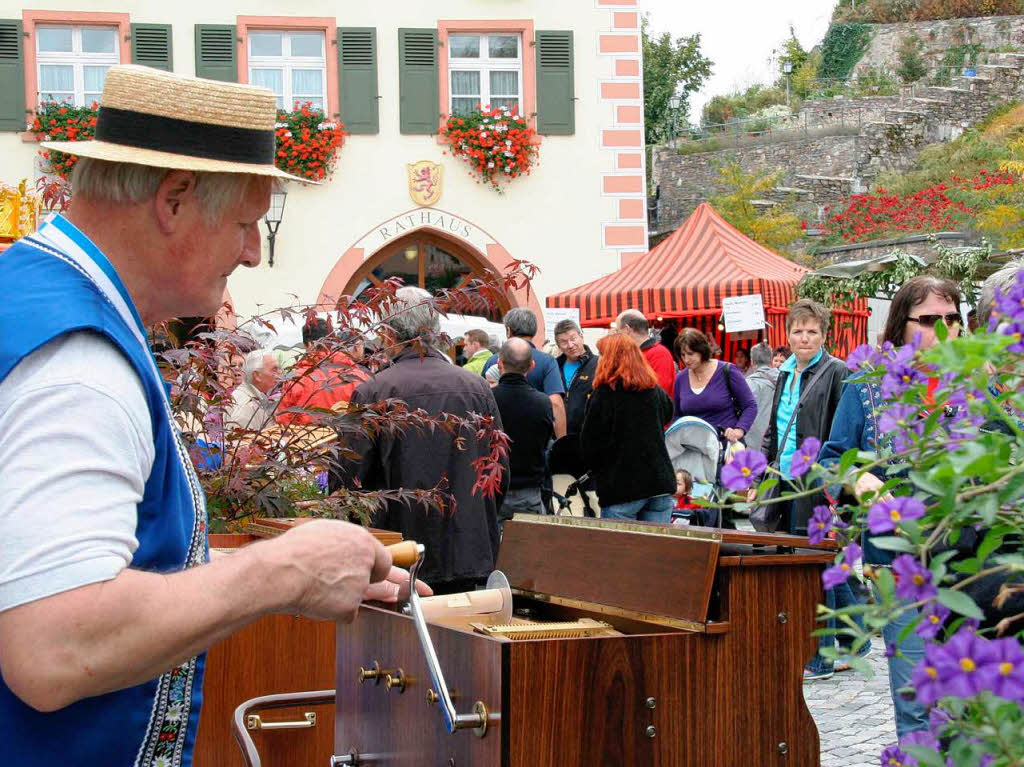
x,y
916,309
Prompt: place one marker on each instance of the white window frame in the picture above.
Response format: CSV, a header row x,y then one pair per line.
x,y
485,65
286,63
75,58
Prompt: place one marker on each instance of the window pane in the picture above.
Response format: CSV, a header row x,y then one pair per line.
x,y
512,105
268,78
99,40
264,43
504,84
503,46
53,39
307,82
56,78
63,98
464,106
465,84
464,46
307,44
94,77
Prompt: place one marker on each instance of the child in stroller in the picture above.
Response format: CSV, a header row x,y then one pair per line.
x,y
695,447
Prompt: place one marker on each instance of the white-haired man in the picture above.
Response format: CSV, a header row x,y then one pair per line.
x,y
107,599
251,408
461,541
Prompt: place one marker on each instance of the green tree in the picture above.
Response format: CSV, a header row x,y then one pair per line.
x,y
777,228
912,65
671,68
792,53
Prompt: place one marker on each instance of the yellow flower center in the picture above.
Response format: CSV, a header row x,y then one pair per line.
x,y
931,672
895,516
745,471
918,579
1006,668
933,618
906,378
846,567
968,665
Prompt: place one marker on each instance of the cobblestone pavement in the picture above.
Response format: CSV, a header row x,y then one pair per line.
x,y
854,714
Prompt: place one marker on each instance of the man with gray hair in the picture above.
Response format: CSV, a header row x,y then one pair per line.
x,y
529,422
544,377
462,540
762,381
633,323
108,595
251,408
1003,280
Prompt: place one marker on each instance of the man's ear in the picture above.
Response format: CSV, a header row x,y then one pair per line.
x,y
175,193
533,364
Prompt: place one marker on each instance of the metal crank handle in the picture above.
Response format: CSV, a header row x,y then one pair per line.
x,y
452,721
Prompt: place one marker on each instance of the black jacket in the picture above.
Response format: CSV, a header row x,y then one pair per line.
x,y
578,392
462,541
623,443
530,423
814,419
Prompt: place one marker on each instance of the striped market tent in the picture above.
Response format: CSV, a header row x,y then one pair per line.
x,y
683,280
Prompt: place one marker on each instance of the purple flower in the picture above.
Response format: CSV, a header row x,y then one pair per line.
x,y
938,718
913,582
321,481
838,574
885,515
745,467
921,739
931,620
962,667
865,356
819,524
893,757
891,649
804,457
896,418
1005,677
1009,306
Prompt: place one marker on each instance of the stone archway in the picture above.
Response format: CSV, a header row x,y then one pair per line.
x,y
425,229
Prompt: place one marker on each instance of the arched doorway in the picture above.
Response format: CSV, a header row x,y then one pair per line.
x,y
432,261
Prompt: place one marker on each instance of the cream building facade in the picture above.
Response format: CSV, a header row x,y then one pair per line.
x,y
388,71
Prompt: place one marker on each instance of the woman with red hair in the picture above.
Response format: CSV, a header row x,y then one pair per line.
x,y
623,439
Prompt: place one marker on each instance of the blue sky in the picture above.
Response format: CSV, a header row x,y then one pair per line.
x,y
739,35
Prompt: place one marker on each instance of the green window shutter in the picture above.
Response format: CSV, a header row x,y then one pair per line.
x,y
12,76
216,56
556,98
151,46
417,81
357,79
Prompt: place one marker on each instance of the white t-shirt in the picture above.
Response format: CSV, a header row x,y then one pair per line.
x,y
76,449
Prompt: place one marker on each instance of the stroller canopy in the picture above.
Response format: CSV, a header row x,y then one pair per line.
x,y
693,445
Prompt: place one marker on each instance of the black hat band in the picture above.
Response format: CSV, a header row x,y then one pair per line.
x,y
185,137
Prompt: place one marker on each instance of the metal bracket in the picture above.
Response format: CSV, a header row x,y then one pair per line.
x,y
253,722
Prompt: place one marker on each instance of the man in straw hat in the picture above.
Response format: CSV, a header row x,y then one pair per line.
x,y
107,595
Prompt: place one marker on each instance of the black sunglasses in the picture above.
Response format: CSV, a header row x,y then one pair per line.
x,y
929,320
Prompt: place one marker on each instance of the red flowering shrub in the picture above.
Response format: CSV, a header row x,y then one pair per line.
x,y
497,144
940,207
308,143
61,122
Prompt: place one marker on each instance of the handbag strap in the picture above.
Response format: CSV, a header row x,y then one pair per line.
x,y
803,393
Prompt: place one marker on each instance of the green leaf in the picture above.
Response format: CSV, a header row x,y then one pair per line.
x,y
993,540
893,543
960,603
987,507
847,461
926,757
885,584
861,666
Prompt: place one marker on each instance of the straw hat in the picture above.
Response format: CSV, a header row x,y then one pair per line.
x,y
151,117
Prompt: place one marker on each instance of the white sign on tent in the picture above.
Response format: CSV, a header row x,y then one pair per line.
x,y
553,316
742,313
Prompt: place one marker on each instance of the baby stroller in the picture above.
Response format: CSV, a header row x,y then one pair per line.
x,y
695,446
565,457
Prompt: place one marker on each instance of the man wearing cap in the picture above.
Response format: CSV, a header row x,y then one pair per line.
x,y
107,594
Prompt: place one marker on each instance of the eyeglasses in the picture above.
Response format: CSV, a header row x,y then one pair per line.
x,y
929,320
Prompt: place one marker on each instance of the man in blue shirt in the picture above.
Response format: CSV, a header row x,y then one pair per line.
x,y
545,376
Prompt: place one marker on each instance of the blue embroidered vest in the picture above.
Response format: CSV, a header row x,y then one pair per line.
x,y
44,294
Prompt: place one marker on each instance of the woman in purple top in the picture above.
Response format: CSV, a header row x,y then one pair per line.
x,y
711,390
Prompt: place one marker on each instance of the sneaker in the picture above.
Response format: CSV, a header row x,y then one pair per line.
x,y
843,664
810,675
